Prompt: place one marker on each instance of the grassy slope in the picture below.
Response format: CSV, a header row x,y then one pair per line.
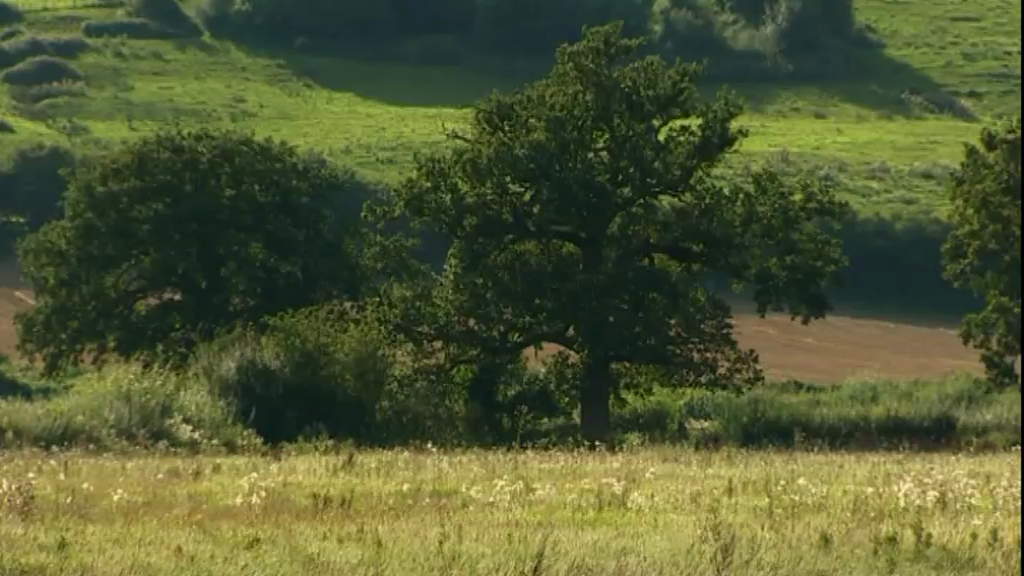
x,y
375,116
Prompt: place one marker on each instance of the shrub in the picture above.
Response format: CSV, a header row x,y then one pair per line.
x,y
167,13
9,13
537,27
41,70
308,375
6,127
953,413
44,92
802,26
11,33
338,20
34,181
323,371
21,49
122,405
136,28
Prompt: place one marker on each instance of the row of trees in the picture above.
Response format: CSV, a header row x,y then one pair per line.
x,y
581,210
522,26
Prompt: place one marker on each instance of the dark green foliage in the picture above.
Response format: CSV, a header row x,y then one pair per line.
x,y
582,212
137,28
793,26
120,407
309,374
539,26
504,26
895,268
167,13
6,127
9,13
33,182
328,371
11,33
41,70
23,48
44,92
983,251
338,20
801,26
180,235
955,413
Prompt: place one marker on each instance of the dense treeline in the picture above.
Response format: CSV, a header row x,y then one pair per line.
x,y
529,27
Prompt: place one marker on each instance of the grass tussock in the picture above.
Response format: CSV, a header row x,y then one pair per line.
x,y
22,48
41,70
117,407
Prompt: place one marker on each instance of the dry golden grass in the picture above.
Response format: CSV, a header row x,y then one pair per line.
x,y
652,511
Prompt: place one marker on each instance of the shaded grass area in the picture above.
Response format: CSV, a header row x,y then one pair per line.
x,y
659,511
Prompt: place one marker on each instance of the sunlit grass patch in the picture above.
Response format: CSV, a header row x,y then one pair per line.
x,y
654,511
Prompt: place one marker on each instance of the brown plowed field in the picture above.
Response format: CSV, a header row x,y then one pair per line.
x,y
826,351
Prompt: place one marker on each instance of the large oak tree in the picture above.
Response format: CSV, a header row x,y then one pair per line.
x,y
180,235
983,251
583,211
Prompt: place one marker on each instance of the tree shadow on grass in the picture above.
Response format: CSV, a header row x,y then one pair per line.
x,y
859,73
389,78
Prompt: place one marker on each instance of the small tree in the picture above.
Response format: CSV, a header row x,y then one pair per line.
x,y
983,251
583,212
180,235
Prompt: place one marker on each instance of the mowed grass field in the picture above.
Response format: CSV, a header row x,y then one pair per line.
x,y
888,155
650,512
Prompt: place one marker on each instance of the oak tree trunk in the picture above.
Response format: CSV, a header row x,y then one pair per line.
x,y
595,400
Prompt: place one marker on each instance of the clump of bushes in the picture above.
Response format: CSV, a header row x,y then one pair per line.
x,y
34,180
9,13
44,92
23,48
136,28
167,14
123,406
959,412
11,33
41,70
322,371
6,127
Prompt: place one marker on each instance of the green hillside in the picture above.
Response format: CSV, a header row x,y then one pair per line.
x,y
889,152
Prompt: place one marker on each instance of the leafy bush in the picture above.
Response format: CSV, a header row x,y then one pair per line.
x,y
9,13
539,26
801,26
6,127
311,373
122,406
137,28
955,413
167,13
23,48
34,181
41,70
11,33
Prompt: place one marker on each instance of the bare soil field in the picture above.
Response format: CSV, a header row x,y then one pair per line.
x,y
829,350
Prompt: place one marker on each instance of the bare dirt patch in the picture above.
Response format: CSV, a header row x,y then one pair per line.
x,y
839,348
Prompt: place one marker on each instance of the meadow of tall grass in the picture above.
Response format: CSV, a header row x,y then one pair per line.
x,y
650,511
